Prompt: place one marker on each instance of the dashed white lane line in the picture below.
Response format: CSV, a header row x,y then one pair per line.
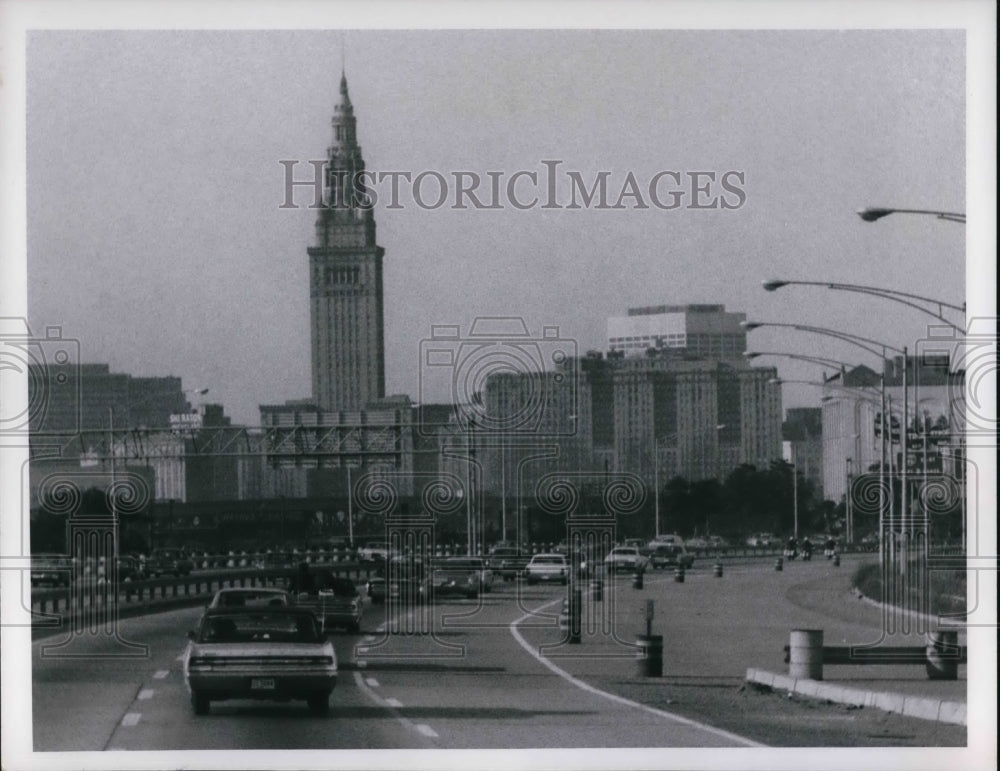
x,y
146,693
161,673
131,718
426,730
369,638
372,682
392,704
614,697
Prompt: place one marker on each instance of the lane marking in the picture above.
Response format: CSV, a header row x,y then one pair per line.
x,y
369,638
146,693
404,721
394,703
372,682
426,730
614,697
181,657
131,718
161,673
362,664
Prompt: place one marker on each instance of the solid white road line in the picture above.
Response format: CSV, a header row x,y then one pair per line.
x,y
426,730
394,703
131,718
372,682
614,697
146,693
161,673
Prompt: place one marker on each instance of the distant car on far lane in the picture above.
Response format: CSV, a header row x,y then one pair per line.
x,y
507,562
374,551
625,558
668,556
549,568
51,569
465,576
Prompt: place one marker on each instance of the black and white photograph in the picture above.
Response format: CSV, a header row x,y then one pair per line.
x,y
565,385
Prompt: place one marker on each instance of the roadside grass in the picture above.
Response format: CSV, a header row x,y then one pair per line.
x,y
947,590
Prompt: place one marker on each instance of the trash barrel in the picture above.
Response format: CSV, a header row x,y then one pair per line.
x,y
679,574
649,655
943,654
597,589
779,564
836,560
637,579
805,654
575,615
718,570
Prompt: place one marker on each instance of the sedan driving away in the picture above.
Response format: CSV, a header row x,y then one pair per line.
x,y
270,653
550,568
239,597
625,558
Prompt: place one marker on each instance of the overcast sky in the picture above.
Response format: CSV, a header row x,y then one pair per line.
x,y
154,185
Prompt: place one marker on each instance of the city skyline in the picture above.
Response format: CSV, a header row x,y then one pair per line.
x,y
239,273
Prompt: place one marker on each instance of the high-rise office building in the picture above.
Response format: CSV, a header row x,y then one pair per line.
x,y
704,331
345,279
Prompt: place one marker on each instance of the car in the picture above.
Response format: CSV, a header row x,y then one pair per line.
x,y
625,558
465,576
717,542
250,597
374,551
274,653
551,567
761,540
51,569
667,556
507,562
130,568
636,542
697,543
404,579
336,602
174,562
666,538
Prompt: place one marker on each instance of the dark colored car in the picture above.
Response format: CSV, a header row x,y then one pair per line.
x,y
168,562
51,569
336,603
667,556
508,562
403,579
459,576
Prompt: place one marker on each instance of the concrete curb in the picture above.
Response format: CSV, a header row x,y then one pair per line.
x,y
921,707
943,622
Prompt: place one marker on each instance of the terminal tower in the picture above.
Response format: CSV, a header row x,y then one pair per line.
x,y
345,279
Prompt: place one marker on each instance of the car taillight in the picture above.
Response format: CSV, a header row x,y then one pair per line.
x,y
199,662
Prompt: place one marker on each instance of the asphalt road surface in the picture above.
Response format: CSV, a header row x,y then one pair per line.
x,y
469,674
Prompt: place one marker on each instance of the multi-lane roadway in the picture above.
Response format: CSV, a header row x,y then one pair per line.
x,y
489,674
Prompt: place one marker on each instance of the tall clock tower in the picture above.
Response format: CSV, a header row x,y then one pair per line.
x,y
345,280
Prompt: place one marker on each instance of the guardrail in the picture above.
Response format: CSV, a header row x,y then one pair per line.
x,y
194,586
805,654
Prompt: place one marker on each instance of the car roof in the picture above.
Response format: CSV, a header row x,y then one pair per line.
x,y
550,554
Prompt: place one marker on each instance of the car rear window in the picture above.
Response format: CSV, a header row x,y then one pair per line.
x,y
548,561
260,627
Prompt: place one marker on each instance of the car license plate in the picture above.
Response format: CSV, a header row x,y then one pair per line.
x,y
262,684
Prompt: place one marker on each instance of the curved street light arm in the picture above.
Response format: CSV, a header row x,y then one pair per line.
x,y
873,213
821,360
904,298
845,336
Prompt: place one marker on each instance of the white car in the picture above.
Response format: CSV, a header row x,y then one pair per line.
x,y
625,558
275,653
549,568
374,551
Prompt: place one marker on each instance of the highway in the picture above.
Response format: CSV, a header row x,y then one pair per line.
x,y
492,674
